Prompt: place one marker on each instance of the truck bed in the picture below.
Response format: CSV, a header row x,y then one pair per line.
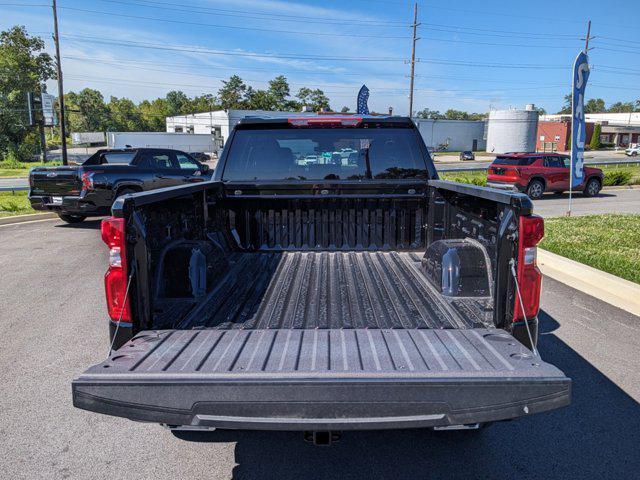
x,y
307,290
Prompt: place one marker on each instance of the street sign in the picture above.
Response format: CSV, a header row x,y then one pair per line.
x,y
40,109
48,112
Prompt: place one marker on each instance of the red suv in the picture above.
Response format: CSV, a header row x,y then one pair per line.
x,y
536,173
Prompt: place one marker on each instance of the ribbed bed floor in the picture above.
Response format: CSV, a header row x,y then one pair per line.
x,y
329,290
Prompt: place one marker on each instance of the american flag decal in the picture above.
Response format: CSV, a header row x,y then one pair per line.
x,y
363,96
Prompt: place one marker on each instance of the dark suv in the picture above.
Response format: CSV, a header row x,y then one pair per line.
x,y
536,173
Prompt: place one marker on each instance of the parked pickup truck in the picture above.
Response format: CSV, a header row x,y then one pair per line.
x,y
78,192
357,292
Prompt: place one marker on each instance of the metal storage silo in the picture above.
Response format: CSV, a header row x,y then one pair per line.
x,y
512,130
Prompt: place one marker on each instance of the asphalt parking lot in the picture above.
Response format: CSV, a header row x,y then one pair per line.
x,y
607,201
53,324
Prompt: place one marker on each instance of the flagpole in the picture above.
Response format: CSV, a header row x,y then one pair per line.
x,y
573,133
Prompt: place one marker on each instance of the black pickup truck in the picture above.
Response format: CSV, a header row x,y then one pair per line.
x,y
78,192
325,280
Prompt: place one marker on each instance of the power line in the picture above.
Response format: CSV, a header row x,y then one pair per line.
x,y
502,33
256,15
234,27
352,88
294,56
141,64
200,50
633,52
617,40
325,85
307,33
24,5
218,67
496,44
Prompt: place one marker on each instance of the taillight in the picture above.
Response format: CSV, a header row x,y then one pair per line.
x,y
87,181
115,280
531,231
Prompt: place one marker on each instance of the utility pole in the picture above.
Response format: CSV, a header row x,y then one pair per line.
x,y
413,56
589,37
56,39
43,142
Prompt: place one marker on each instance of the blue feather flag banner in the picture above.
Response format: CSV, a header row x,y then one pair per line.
x,y
578,127
363,97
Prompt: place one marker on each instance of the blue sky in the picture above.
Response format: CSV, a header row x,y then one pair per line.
x,y
473,55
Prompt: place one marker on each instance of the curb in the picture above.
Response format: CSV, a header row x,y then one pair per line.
x,y
613,290
622,187
27,218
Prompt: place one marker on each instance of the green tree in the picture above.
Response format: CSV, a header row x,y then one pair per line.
x,y
153,114
452,114
621,107
260,100
24,67
594,144
279,91
428,113
86,111
595,105
203,103
315,99
177,103
233,93
344,109
566,107
124,115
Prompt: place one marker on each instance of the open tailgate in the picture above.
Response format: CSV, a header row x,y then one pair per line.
x,y
322,379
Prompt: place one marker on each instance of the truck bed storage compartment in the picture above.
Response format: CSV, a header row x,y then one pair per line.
x,y
312,379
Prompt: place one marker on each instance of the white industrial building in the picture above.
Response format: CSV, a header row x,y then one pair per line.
x,y
219,123
631,118
512,130
452,135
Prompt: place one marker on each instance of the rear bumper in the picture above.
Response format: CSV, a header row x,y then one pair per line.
x,y
505,186
339,404
70,205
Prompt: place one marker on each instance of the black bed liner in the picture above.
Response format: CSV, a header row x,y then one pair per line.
x,y
329,290
322,379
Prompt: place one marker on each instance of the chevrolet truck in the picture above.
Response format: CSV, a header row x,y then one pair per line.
x,y
352,293
76,192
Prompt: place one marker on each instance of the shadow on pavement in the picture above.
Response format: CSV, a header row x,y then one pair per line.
x,y
595,437
576,196
92,224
